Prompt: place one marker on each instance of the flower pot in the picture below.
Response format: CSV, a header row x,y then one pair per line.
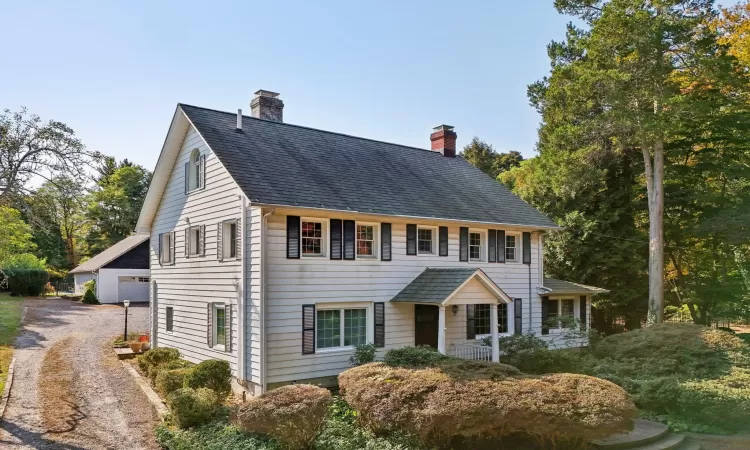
x,y
143,338
136,346
145,346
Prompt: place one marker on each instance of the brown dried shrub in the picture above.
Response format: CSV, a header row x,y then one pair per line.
x,y
293,415
438,407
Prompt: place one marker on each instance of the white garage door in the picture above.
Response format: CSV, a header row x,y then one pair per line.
x,y
134,289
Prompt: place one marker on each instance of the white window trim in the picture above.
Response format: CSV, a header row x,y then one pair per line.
x,y
375,240
342,306
483,248
214,328
201,241
435,240
508,319
168,236
226,247
323,237
576,310
519,247
194,168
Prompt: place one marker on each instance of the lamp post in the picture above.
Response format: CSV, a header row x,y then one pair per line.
x,y
126,303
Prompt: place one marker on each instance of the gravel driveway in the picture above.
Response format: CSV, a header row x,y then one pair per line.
x,y
69,391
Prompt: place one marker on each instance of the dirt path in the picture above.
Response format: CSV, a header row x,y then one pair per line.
x,y
69,391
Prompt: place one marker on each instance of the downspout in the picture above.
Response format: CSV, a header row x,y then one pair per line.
x,y
241,335
263,264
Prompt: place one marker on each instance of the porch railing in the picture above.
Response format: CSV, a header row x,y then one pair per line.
x,y
471,351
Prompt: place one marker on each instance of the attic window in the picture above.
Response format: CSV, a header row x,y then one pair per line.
x,y
195,171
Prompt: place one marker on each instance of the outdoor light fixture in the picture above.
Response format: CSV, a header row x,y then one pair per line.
x,y
454,308
126,303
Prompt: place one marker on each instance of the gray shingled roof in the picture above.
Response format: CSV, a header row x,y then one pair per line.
x,y
433,285
108,255
553,286
288,165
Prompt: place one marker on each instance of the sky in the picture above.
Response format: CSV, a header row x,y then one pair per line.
x,y
386,70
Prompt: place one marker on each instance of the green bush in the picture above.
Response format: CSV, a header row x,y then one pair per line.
x,y
212,436
438,408
293,414
213,374
156,357
168,381
190,407
154,371
24,261
89,298
363,354
514,344
420,356
543,360
423,356
26,281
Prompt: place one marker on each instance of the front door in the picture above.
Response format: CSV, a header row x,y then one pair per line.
x,y
426,325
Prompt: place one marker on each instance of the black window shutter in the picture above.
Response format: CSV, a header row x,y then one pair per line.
x,y
349,239
470,322
463,244
443,241
187,177
501,246
385,243
379,324
526,247
336,236
492,246
238,233
219,236
308,329
158,246
582,314
545,314
518,315
292,237
411,239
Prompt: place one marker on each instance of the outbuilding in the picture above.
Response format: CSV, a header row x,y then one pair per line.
x,y
121,272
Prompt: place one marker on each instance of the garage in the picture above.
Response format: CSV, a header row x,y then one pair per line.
x,y
134,289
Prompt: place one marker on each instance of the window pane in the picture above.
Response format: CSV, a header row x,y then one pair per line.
x,y
365,239
424,240
567,307
219,326
482,319
502,318
475,245
329,328
355,326
312,237
552,313
510,254
232,240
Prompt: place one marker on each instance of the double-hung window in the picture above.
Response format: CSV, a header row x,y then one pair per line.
x,y
561,312
170,319
426,240
219,325
195,171
195,241
512,247
482,319
229,239
366,241
166,248
341,328
476,245
312,234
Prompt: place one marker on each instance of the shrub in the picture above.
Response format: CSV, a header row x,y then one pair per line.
x,y
191,407
89,298
212,436
293,415
168,381
213,374
157,357
438,407
421,356
89,285
154,371
24,261
543,360
363,354
512,345
26,281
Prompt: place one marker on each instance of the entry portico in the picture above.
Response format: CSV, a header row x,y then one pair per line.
x,y
437,290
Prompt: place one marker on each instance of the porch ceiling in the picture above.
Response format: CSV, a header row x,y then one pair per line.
x,y
445,286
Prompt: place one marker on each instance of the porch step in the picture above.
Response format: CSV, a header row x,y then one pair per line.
x,y
646,435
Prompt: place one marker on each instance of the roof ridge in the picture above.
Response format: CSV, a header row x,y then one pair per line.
x,y
317,129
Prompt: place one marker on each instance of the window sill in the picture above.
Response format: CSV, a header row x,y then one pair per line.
x,y
367,257
313,256
334,349
219,348
426,254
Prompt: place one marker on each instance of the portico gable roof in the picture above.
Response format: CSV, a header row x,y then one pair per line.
x,y
444,286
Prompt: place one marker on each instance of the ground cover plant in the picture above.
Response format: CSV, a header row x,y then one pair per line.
x,y
10,322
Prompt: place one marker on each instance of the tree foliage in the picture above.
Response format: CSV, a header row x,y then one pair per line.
x,y
486,159
16,234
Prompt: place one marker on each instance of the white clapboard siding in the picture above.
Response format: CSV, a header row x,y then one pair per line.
x,y
252,255
291,283
191,283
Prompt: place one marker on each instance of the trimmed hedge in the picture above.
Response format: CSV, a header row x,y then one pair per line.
x,y
156,357
89,298
27,282
213,374
168,381
438,407
293,415
190,407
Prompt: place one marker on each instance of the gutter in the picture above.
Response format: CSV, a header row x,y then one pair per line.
x,y
241,311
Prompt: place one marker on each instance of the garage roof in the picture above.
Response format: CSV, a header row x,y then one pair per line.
x,y
111,253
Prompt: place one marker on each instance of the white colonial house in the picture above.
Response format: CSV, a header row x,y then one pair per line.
x,y
279,248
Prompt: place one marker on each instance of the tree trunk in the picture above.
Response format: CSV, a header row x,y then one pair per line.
x,y
655,187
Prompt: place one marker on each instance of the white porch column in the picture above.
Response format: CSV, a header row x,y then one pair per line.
x,y
493,333
441,330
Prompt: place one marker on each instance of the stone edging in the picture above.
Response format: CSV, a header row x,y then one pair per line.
x,y
161,409
6,391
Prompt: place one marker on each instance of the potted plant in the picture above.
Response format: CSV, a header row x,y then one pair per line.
x,y
136,346
143,339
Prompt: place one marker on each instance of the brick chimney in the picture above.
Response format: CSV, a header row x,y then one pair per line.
x,y
267,105
443,140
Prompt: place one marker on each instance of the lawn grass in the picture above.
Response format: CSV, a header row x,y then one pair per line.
x,y
10,322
